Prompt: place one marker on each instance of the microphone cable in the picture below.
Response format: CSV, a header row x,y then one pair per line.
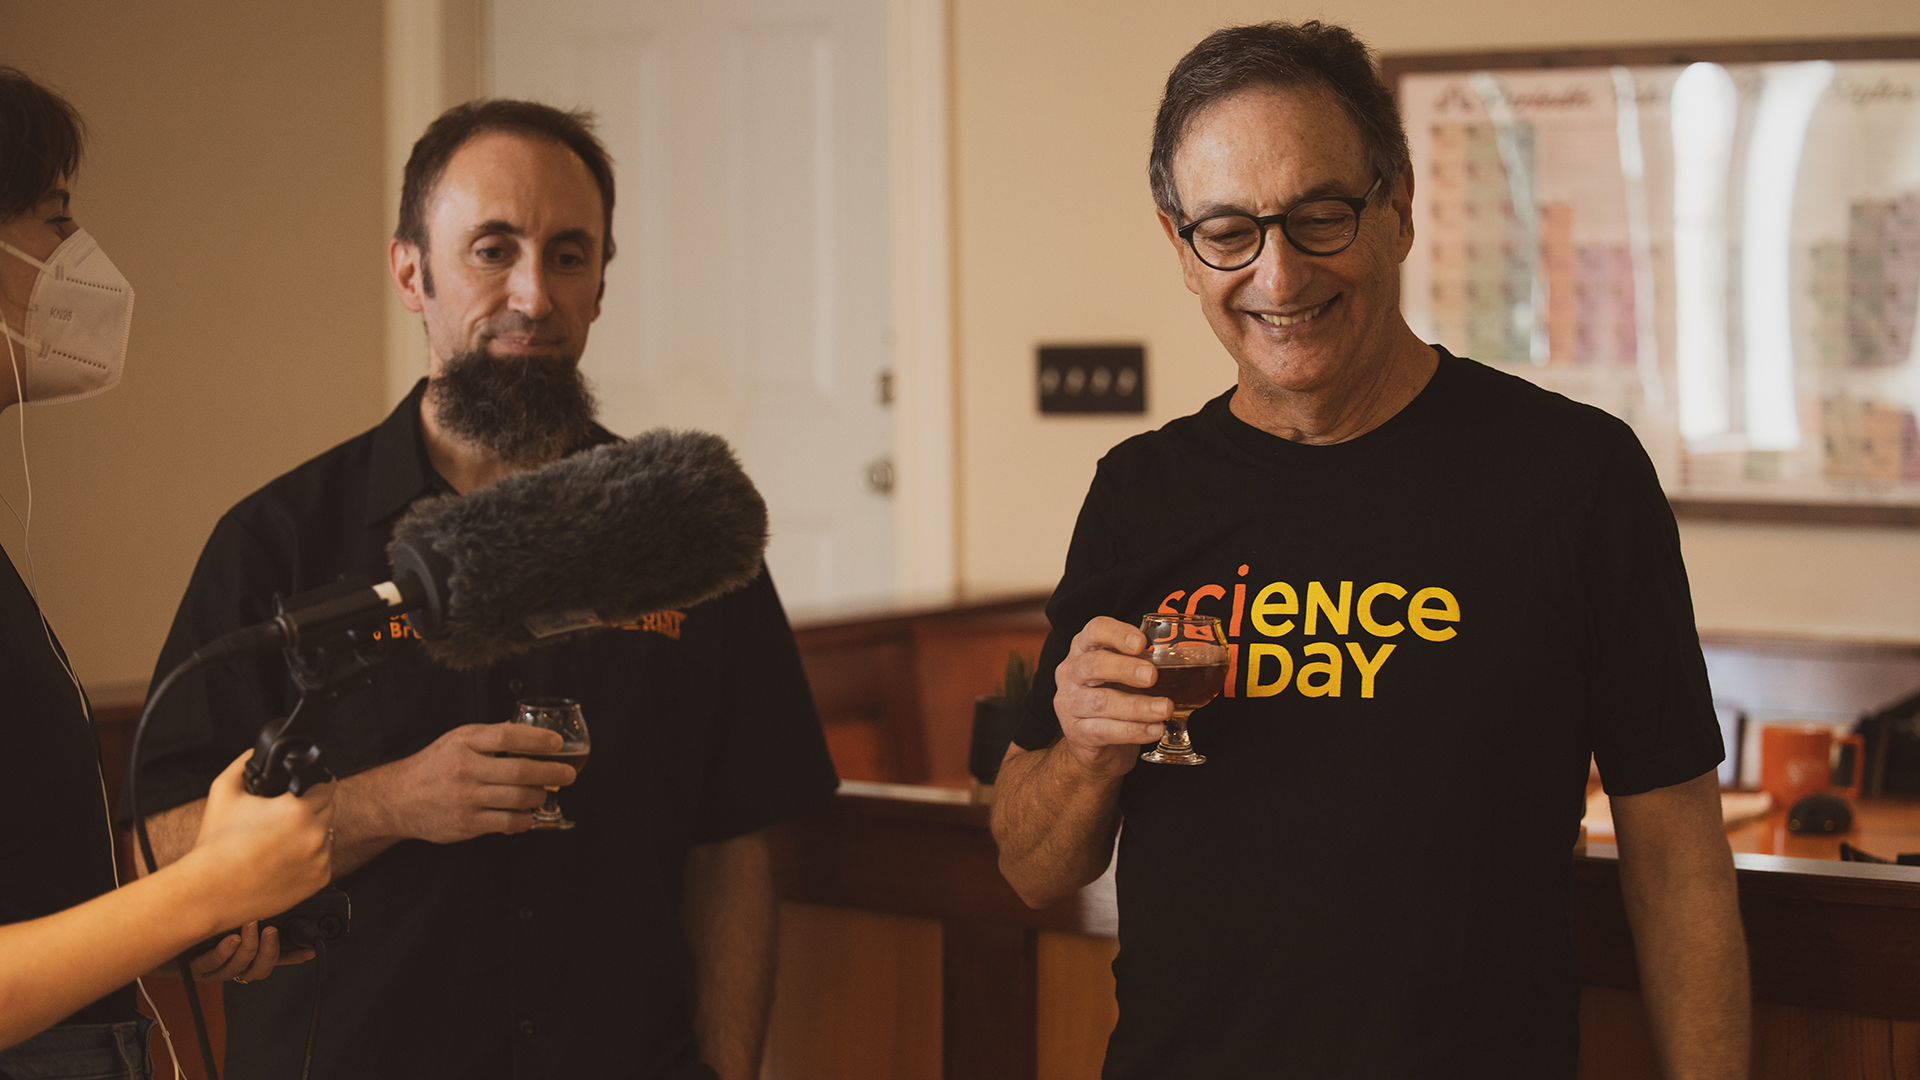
x,y
146,855
153,867
319,985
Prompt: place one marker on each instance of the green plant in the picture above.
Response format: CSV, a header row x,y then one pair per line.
x,y
1018,679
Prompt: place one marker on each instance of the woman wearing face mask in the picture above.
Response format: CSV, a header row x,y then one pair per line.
x,y
71,943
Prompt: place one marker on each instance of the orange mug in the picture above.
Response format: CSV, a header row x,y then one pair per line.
x,y
1796,760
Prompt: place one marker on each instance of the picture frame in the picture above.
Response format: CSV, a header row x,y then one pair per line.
x,y
1726,256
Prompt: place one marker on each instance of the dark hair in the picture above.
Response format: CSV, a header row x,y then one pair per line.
x,y
40,141
1283,56
460,124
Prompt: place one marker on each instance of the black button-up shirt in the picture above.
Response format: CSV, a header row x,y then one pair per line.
x,y
541,955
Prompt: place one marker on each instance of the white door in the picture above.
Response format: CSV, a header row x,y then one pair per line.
x,y
749,292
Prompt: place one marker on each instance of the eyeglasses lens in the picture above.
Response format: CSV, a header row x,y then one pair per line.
x,y
1231,241
1227,242
1322,225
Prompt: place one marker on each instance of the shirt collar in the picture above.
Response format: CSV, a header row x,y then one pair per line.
x,y
401,471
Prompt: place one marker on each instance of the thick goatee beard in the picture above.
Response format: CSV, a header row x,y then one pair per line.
x,y
526,410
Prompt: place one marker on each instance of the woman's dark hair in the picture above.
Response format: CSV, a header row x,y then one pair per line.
x,y
462,123
1283,56
41,136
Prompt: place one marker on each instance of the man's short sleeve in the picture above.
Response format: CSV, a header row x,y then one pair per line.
x,y
771,760
1651,706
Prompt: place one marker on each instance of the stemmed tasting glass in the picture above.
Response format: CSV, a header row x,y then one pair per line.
x,y
561,715
1190,653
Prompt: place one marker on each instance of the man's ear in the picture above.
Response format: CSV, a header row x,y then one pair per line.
x,y
407,266
1189,264
1402,205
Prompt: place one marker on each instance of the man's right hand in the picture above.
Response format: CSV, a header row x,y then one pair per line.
x,y
1102,724
459,788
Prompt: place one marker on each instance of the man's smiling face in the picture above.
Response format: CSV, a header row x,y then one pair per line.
x,y
1295,323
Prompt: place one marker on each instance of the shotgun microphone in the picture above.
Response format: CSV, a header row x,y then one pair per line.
x,y
664,520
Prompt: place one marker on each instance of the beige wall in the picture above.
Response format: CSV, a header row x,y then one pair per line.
x,y
1056,242
235,176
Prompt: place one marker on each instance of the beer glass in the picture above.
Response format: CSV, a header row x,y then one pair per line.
x,y
1190,653
561,715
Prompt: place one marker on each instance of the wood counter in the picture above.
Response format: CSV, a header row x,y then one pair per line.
x,y
1835,948
1820,934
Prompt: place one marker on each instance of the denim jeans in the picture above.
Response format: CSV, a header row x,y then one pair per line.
x,y
82,1052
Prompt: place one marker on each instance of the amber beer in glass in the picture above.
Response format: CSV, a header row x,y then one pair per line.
x,y
1189,652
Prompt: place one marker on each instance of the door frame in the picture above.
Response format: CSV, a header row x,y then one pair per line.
x,y
438,54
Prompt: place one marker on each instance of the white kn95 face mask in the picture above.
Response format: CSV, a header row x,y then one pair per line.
x,y
74,344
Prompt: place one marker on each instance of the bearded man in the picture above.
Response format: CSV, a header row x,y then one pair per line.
x,y
639,943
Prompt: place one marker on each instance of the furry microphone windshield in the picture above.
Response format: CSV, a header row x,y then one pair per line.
x,y
660,521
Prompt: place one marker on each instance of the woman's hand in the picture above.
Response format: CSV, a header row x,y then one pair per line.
x,y
260,857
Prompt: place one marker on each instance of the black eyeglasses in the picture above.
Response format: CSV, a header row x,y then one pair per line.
x,y
1325,225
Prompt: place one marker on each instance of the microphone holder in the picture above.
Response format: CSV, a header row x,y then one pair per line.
x,y
288,756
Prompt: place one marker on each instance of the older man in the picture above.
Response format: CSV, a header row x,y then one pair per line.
x,y
1442,588
637,944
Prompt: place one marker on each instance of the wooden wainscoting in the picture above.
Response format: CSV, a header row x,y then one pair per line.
x,y
896,691
860,998
1010,987
1789,1042
1833,947
1077,1008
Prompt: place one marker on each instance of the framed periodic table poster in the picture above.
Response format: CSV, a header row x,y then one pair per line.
x,y
1720,244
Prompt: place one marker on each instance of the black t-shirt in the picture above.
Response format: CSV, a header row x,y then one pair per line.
x,y
539,955
55,849
1432,627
